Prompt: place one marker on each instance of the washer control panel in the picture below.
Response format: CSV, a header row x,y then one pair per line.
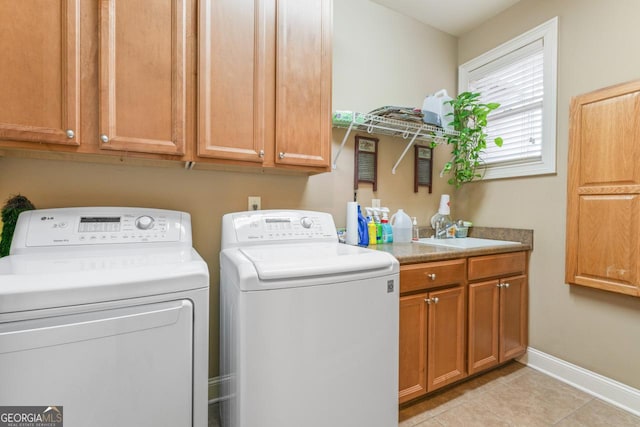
x,y
276,226
96,226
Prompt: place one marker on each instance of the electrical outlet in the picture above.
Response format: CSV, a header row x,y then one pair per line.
x,y
375,203
254,203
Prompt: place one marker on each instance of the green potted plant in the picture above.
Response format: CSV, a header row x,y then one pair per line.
x,y
469,120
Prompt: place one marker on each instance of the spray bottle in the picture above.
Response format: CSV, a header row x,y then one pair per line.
x,y
441,221
371,227
387,230
376,219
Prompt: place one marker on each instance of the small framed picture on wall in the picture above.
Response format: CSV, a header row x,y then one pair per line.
x,y
423,167
366,161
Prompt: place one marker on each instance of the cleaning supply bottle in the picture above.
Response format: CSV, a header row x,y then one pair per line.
x,y
387,230
415,231
363,234
441,221
376,219
371,227
401,224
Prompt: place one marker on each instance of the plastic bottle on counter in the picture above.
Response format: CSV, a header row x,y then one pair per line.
x,y
387,230
441,221
415,231
363,234
376,219
401,225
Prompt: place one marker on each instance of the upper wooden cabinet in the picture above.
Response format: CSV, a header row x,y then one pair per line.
x,y
233,78
221,82
264,84
142,75
40,71
603,194
303,82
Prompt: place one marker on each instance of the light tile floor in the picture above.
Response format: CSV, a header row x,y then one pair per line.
x,y
517,396
511,396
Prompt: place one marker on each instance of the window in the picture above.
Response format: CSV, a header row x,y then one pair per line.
x,y
520,75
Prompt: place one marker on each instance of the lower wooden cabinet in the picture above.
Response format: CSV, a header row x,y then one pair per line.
x,y
432,329
498,310
460,317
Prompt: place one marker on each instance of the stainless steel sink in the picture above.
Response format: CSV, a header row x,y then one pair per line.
x,y
466,243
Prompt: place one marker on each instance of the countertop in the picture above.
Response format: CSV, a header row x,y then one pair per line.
x,y
413,253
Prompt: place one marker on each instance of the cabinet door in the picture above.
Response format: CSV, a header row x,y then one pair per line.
x,y
484,325
233,80
303,82
514,317
603,202
412,378
446,337
39,76
142,75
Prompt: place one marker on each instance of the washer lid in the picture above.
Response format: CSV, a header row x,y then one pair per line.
x,y
298,261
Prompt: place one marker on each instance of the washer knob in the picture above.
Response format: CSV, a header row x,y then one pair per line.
x,y
144,222
306,222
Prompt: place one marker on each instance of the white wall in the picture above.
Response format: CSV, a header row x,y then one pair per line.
x,y
593,329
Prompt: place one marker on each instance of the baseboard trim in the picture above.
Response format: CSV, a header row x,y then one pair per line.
x,y
215,388
611,391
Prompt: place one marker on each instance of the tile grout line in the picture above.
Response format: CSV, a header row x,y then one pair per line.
x,y
591,400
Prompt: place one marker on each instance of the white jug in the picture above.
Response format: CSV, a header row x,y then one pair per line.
x,y
436,111
401,224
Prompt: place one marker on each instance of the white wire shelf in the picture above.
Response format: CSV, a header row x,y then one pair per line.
x,y
392,127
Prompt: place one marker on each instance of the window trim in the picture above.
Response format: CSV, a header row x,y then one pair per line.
x,y
548,32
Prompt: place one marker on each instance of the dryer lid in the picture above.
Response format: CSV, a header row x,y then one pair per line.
x,y
299,261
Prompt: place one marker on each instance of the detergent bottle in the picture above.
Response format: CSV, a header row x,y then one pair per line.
x,y
401,225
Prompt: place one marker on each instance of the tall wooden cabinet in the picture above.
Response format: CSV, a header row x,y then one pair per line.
x,y
432,327
265,81
143,75
40,72
603,194
498,309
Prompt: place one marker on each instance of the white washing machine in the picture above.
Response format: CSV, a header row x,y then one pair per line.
x,y
309,326
104,315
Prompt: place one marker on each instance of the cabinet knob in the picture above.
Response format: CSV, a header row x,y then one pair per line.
x,y
281,155
70,134
427,300
104,138
435,300
499,285
432,276
506,285
261,153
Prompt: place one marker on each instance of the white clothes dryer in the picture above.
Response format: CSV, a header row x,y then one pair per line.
x,y
104,314
309,326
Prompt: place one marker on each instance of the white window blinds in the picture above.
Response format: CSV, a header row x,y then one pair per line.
x,y
516,82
